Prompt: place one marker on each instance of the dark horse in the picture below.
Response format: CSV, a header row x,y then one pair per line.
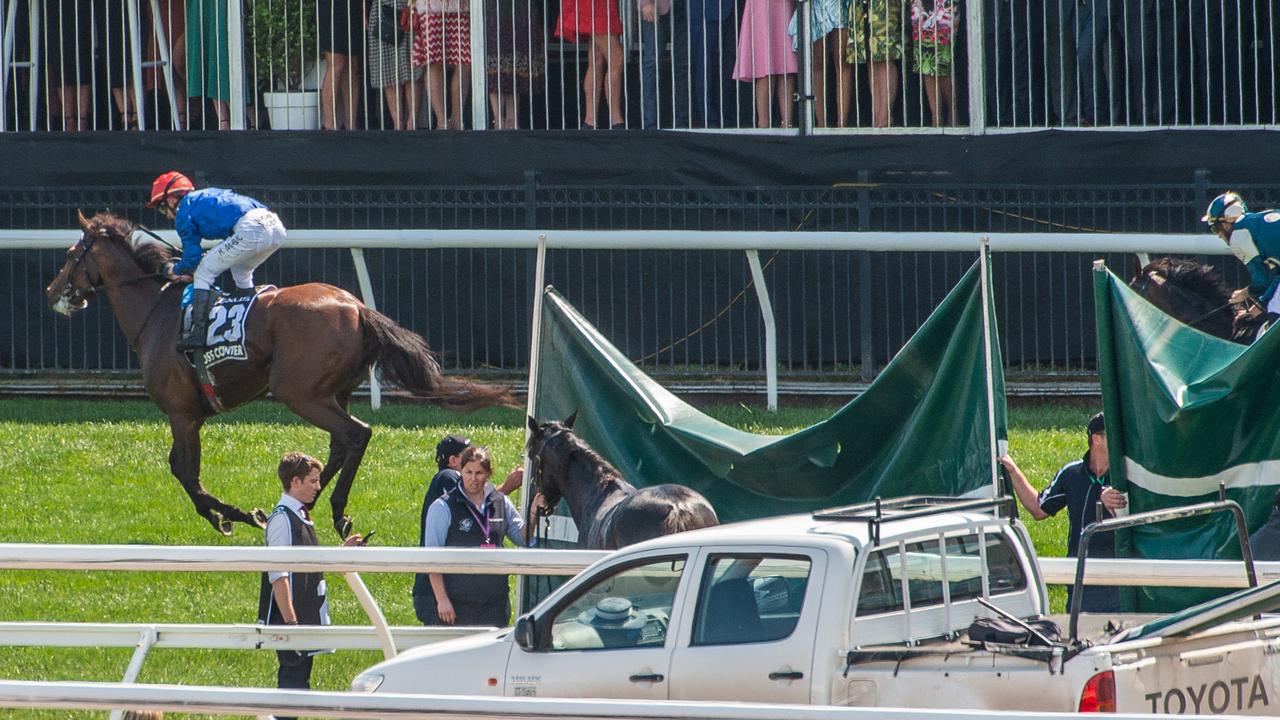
x,y
310,345
609,511
1197,295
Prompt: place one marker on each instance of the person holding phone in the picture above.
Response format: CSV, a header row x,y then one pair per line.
x,y
295,598
474,514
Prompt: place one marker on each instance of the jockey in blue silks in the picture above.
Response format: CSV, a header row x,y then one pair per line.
x,y
1254,238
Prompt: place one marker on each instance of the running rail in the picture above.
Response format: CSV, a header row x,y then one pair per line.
x,y
246,701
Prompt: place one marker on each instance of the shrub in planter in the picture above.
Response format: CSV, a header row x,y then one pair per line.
x,y
281,37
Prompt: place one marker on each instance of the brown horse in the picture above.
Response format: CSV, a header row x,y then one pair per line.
x,y
608,511
309,345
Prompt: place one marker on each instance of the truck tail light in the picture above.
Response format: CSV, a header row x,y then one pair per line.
x,y
1099,694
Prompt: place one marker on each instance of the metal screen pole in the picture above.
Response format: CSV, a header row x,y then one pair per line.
x,y
984,254
804,10
539,277
235,54
479,94
977,80
366,293
135,63
770,330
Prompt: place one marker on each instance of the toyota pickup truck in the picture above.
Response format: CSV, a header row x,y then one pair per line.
x,y
870,605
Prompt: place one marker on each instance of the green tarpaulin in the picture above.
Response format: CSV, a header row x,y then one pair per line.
x,y
920,428
1185,411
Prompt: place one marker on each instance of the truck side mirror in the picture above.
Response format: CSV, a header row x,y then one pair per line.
x,y
526,632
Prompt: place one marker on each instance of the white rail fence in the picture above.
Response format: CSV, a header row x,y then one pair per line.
x,y
748,242
350,561
241,701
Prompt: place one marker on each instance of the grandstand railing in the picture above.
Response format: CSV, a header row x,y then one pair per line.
x,y
962,67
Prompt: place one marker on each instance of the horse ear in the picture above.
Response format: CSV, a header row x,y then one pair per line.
x,y
84,221
1135,266
569,421
533,425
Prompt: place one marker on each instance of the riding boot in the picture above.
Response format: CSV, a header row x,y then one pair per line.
x,y
197,327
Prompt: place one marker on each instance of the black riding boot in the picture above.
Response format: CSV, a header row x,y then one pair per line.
x,y
197,327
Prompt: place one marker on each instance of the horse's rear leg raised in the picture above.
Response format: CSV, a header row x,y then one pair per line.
x,y
348,438
184,463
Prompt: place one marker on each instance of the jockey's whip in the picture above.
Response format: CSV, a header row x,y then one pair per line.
x,y
157,237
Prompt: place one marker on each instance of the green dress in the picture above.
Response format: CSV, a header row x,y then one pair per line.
x,y
208,58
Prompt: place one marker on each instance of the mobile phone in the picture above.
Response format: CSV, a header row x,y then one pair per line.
x,y
366,538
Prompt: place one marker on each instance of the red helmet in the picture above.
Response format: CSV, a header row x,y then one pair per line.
x,y
170,182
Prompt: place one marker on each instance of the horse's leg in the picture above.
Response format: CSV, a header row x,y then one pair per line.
x,y
184,463
347,434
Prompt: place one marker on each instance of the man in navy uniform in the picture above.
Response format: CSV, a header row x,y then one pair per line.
x,y
294,598
1079,486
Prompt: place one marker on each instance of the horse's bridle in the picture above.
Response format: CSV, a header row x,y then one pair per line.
x,y
73,294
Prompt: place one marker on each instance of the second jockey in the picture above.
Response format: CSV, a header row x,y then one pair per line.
x,y
248,230
1254,238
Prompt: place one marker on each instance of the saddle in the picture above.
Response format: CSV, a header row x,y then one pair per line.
x,y
225,337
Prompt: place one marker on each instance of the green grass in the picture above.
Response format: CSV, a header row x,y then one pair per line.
x,y
96,472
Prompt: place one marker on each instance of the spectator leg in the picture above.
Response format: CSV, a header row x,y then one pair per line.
x,y
434,78
335,67
836,43
592,82
763,100
818,80
786,89
613,52
459,85
884,91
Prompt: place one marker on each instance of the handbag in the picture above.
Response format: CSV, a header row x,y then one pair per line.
x,y
393,24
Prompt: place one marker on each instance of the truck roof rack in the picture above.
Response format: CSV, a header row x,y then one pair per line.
x,y
879,511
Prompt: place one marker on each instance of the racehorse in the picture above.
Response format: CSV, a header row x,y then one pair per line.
x,y
1197,295
608,511
309,345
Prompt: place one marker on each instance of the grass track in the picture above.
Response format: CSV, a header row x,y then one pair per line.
x,y
96,472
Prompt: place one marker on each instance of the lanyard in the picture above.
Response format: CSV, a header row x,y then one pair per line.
x,y
484,524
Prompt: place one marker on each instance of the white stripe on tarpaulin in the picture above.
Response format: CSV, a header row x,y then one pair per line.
x,y
1239,477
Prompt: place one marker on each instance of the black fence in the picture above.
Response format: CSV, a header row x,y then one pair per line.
x,y
689,312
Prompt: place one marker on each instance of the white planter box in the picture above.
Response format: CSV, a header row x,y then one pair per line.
x,y
293,110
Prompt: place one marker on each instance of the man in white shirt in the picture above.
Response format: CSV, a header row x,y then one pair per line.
x,y
289,598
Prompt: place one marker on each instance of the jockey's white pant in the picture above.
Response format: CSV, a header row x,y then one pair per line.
x,y
1273,305
254,237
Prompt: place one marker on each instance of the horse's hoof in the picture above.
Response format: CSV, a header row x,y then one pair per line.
x,y
343,525
219,523
258,518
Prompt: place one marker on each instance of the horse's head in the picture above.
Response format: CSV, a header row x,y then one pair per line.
x,y
88,262
1189,291
549,448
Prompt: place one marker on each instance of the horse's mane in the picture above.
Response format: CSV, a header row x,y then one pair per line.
x,y
1203,280
575,445
149,254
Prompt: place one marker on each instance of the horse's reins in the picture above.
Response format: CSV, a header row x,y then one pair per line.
x,y
1205,316
86,246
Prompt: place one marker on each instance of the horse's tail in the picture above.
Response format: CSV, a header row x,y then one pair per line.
x,y
406,360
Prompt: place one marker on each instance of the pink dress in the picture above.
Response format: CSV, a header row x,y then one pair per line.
x,y
764,47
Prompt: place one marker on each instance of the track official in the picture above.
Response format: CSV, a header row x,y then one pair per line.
x,y
294,598
447,479
474,515
1079,486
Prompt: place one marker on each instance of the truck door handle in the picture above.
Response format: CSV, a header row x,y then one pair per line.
x,y
652,677
788,675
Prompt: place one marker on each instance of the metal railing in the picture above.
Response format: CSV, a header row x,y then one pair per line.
x,y
787,66
840,314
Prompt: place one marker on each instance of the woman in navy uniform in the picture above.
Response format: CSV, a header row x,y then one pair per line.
x,y
476,514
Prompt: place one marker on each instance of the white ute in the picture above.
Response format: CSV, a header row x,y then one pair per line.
x,y
869,606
